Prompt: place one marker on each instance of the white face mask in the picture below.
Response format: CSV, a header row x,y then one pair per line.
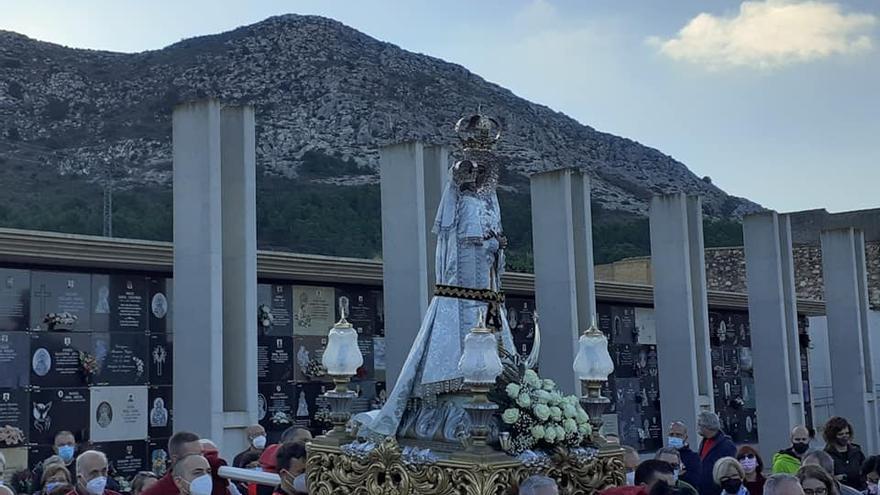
x,y
97,485
631,478
259,442
203,485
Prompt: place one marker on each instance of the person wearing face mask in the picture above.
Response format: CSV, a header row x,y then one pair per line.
x,y
64,449
630,463
690,460
91,474
848,457
729,475
671,456
753,466
290,459
871,474
256,437
54,476
192,475
183,444
788,461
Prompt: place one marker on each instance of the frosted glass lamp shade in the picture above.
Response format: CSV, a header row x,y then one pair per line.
x,y
343,356
593,362
479,361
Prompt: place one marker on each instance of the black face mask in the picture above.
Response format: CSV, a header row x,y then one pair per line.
x,y
800,448
731,486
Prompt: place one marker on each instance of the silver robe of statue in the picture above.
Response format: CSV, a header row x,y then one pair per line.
x,y
424,403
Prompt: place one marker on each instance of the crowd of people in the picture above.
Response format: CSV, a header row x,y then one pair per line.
x,y
192,469
716,467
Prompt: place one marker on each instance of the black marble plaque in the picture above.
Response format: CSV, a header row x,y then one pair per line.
x,y
160,358
278,301
159,305
307,353
119,303
274,359
624,356
360,308
276,405
55,359
520,316
58,292
157,454
39,453
161,414
15,299
58,409
366,371
126,458
312,410
653,430
15,414
122,358
14,358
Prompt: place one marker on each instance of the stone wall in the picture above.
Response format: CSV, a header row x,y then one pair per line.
x,y
726,270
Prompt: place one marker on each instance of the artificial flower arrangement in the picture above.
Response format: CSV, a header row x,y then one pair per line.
x,y
535,415
315,369
53,320
264,316
88,366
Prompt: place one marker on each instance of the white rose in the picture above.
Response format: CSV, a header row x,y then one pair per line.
x,y
512,390
510,416
523,400
556,413
537,432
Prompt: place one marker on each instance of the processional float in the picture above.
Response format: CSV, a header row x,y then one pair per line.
x,y
467,414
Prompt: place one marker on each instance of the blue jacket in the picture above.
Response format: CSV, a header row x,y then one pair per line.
x,y
723,447
692,466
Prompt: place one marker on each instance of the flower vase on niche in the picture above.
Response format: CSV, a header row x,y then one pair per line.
x,y
88,367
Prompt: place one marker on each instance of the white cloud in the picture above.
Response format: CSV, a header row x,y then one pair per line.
x,y
768,34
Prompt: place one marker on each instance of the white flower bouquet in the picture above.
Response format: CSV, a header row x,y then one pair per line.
x,y
264,316
537,416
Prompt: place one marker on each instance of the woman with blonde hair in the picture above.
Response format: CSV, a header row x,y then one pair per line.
x,y
816,481
54,475
729,475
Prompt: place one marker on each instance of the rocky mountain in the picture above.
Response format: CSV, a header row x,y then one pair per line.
x,y
319,88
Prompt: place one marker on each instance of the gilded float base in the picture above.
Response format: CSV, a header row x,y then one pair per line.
x,y
384,471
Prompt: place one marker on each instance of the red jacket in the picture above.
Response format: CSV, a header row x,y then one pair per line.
x,y
624,490
166,486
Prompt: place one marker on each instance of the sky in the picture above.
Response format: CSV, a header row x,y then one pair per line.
x,y
775,100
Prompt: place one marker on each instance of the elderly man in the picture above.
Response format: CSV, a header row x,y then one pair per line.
x,y
671,456
782,484
788,461
715,445
690,460
538,485
192,475
250,457
823,460
630,463
91,474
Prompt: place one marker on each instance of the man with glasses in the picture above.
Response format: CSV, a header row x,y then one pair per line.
x,y
671,456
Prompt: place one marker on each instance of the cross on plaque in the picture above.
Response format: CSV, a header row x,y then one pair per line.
x,y
43,294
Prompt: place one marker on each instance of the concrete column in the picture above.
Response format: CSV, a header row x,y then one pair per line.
x,y
846,305
563,258
436,163
680,307
406,224
238,203
198,275
773,323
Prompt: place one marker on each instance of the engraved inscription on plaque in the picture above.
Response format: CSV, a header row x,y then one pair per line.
x,y
14,299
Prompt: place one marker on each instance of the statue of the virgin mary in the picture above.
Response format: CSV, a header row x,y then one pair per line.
x,y
426,400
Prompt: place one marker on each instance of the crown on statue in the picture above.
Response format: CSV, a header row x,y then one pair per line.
x,y
478,131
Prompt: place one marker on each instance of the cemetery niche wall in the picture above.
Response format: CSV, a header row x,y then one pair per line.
x,y
88,353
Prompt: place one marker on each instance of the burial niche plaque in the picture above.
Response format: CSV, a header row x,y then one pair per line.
x,y
118,413
159,304
14,417
57,359
55,410
313,310
14,299
61,301
119,303
14,357
275,406
121,358
161,358
126,458
161,412
274,359
275,307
